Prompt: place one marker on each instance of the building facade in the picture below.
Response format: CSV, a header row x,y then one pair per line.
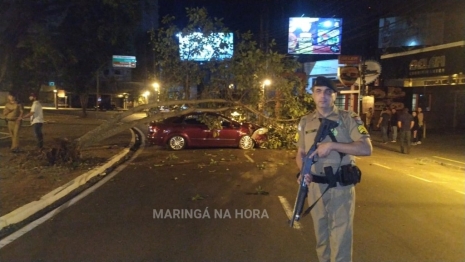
x,y
432,78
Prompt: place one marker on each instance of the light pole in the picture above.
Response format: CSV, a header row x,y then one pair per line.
x,y
55,94
266,82
156,87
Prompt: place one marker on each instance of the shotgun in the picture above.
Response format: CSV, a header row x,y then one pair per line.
x,y
325,128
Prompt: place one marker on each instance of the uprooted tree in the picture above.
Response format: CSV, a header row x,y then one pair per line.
x,y
262,83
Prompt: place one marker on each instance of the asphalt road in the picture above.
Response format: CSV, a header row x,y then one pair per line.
x,y
230,206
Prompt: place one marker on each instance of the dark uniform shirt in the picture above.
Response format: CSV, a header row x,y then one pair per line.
x,y
394,119
386,117
405,120
350,129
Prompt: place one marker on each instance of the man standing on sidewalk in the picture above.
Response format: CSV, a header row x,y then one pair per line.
x,y
405,125
37,119
421,125
384,123
13,113
394,124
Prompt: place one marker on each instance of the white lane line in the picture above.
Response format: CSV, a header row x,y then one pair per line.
x,y
249,158
376,164
426,180
288,210
449,160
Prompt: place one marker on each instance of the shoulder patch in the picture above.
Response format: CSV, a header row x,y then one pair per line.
x,y
362,130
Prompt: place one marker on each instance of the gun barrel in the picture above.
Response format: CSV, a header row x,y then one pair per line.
x,y
299,203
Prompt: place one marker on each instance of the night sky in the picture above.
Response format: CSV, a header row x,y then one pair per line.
x,y
268,19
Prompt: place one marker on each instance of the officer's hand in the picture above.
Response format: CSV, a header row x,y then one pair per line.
x,y
308,179
322,150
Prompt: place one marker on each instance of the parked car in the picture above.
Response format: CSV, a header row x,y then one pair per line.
x,y
191,131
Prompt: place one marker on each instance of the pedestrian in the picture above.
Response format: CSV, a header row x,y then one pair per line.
x,y
394,118
13,113
37,119
414,128
405,124
333,215
368,119
421,125
384,123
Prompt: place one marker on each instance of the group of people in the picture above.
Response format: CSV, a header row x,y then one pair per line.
x,y
14,115
390,121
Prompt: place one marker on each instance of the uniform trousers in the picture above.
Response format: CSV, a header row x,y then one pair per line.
x,y
333,217
13,129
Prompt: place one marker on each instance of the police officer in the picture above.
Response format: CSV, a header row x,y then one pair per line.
x,y
333,214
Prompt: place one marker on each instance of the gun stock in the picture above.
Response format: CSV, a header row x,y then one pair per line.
x,y
324,129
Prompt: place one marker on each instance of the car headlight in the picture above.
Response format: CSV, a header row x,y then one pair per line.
x,y
262,131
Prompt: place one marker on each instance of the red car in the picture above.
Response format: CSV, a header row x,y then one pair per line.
x,y
190,131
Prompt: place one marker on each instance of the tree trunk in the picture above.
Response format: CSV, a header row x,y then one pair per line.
x,y
84,98
277,109
115,124
3,65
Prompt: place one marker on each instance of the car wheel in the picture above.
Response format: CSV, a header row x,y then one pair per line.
x,y
246,142
177,143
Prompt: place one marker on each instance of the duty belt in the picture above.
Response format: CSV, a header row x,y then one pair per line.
x,y
324,180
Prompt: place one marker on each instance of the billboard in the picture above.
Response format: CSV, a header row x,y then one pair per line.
x,y
124,61
197,47
313,35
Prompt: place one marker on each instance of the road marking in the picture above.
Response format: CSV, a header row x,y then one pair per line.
x,y
288,210
249,158
449,160
426,180
376,164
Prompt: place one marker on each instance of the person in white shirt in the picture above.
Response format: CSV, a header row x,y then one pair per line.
x,y
37,119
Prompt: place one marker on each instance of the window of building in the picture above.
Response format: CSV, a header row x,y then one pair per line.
x,y
414,102
340,102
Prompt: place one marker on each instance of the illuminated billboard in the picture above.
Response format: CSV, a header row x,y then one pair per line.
x,y
313,35
124,61
197,47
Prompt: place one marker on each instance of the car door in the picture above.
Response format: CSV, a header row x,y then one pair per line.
x,y
227,136
196,131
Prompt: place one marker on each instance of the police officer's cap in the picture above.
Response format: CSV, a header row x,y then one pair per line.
x,y
323,81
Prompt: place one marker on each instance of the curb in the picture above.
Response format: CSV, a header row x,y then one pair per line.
x,y
29,212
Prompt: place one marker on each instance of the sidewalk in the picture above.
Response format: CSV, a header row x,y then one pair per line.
x,y
445,147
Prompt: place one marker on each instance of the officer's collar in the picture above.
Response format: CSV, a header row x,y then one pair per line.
x,y
332,115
